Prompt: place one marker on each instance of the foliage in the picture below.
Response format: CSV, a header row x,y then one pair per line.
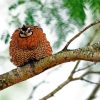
x,y
5,37
76,11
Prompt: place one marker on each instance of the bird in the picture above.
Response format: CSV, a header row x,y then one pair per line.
x,y
28,43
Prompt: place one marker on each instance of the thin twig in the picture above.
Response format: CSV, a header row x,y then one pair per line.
x,y
70,78
88,66
78,34
59,88
91,72
87,73
95,90
55,90
33,90
73,71
83,79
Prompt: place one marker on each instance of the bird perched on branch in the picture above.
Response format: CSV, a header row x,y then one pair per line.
x,y
28,43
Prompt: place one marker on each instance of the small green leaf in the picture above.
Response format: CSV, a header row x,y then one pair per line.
x,y
37,1
21,2
29,17
7,38
13,6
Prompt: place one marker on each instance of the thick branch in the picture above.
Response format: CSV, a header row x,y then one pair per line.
x,y
90,53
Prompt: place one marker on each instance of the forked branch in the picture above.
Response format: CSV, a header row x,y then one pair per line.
x,y
89,53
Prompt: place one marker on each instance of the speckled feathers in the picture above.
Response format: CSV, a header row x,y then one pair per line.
x,y
35,46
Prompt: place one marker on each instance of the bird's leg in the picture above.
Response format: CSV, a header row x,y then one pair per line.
x,y
32,61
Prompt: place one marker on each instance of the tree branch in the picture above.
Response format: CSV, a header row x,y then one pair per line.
x,y
93,94
89,53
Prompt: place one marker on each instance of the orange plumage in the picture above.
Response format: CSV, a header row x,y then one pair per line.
x,y
33,46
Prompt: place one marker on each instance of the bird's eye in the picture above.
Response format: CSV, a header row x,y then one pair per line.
x,y
22,32
28,30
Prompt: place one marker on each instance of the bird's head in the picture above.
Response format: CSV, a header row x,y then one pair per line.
x,y
28,37
25,31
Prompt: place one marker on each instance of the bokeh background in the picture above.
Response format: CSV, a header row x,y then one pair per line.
x,y
60,20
